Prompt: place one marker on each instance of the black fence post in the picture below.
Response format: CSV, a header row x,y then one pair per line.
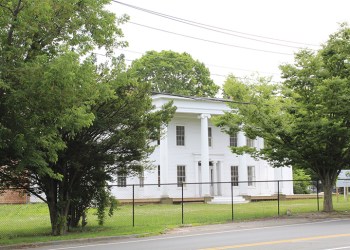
x,y
278,197
318,198
133,205
232,201
182,202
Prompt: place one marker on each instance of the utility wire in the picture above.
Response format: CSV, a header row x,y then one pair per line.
x,y
211,41
239,77
207,65
213,74
210,65
217,29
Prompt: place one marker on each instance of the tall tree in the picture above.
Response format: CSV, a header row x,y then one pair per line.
x,y
305,120
176,73
45,89
58,108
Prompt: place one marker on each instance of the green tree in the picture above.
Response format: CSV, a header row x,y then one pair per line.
x,y
305,120
45,87
302,182
119,140
67,123
175,73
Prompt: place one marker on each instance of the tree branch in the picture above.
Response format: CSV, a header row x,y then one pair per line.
x,y
12,28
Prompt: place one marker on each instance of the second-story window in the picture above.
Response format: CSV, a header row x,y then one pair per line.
x,y
250,142
180,135
233,140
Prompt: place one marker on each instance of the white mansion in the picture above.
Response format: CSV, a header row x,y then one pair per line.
x,y
193,150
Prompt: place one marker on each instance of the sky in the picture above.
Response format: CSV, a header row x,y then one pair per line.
x,y
240,47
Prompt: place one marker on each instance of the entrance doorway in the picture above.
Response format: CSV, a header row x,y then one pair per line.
x,y
214,177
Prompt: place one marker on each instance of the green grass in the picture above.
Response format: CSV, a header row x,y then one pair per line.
x,y
30,223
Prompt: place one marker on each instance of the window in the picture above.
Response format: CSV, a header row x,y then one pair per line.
x,y
181,175
209,137
250,142
158,175
121,180
234,175
142,178
233,140
180,135
251,176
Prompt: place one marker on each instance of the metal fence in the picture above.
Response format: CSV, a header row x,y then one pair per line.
x,y
23,215
181,206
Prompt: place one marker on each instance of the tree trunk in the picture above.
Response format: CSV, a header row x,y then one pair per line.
x,y
327,189
75,215
58,208
51,195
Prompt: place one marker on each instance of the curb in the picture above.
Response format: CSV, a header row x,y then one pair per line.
x,y
75,241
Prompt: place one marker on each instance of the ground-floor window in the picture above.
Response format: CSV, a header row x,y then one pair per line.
x,y
181,175
121,180
234,175
142,179
158,176
251,176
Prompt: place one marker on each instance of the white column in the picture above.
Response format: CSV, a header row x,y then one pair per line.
x,y
164,163
205,154
242,168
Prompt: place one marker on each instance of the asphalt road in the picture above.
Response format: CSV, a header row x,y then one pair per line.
x,y
325,234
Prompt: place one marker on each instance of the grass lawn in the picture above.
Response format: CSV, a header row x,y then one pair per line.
x,y
30,222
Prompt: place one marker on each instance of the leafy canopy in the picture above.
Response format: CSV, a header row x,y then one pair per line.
x,y
304,120
175,73
67,123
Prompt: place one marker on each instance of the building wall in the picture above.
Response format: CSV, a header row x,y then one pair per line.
x,y
13,197
219,154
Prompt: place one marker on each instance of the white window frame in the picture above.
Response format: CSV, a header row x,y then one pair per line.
x,y
234,176
142,179
251,176
181,175
180,138
121,180
158,177
250,142
234,140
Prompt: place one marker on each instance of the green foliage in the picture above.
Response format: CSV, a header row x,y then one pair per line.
x,y
104,200
67,123
46,88
305,119
174,73
301,182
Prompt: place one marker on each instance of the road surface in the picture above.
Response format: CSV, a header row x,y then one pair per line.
x,y
325,234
